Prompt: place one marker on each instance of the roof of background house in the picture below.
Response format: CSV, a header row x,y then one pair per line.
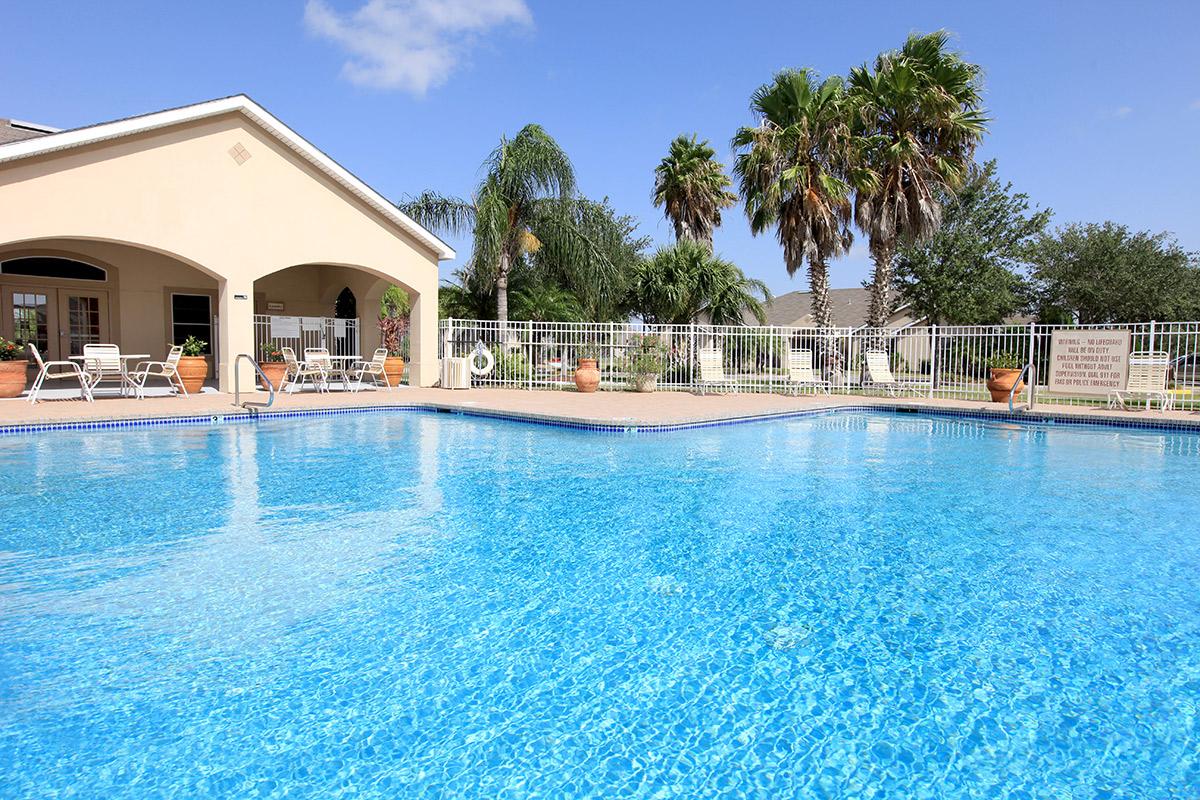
x,y
14,130
848,307
41,140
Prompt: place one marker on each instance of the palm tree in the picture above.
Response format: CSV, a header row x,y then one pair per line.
x,y
917,121
685,282
791,172
691,186
519,177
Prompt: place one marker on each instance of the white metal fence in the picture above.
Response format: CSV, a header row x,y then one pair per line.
x,y
340,336
934,361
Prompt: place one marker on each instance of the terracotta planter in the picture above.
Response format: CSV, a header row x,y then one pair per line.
x,y
1001,384
645,383
393,367
193,370
587,376
12,377
274,370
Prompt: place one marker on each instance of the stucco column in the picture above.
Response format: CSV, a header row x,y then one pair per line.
x,y
235,332
423,338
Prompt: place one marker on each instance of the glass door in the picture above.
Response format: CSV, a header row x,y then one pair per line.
x,y
86,318
30,315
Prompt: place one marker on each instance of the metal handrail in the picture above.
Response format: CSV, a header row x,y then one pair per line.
x,y
237,387
1026,370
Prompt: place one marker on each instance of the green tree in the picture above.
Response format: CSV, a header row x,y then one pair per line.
x,y
395,302
686,282
595,265
1106,273
971,271
791,170
917,120
519,177
691,187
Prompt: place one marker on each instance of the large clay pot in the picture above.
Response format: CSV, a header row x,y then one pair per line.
x,y
645,383
1001,384
587,376
193,370
12,377
274,370
393,367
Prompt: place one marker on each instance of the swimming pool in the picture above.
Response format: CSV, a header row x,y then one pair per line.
x,y
429,605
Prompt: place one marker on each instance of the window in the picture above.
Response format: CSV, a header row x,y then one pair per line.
x,y
29,320
191,315
52,267
83,320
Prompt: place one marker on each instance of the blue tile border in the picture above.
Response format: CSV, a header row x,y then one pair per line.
x,y
595,426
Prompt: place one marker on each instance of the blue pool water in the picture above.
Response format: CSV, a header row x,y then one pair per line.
x,y
420,605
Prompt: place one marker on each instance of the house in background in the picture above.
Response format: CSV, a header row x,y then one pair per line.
x,y
214,220
847,306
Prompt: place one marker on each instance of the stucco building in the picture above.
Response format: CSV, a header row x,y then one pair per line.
x,y
211,220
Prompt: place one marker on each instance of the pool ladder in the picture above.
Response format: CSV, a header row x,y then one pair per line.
x,y
250,405
1028,370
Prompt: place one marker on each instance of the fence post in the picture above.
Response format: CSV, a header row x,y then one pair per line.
x,y
691,356
1151,347
933,351
529,327
1032,363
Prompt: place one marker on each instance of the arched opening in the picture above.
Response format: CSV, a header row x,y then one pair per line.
x,y
346,305
63,293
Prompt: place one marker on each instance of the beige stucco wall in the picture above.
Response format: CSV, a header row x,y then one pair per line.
x,y
179,193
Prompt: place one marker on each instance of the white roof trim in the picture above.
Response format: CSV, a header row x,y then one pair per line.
x,y
125,127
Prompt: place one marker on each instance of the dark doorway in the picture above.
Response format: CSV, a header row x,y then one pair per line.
x,y
346,306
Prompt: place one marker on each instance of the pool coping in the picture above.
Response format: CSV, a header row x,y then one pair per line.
x,y
605,424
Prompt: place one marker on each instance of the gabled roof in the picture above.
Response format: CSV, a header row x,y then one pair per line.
x,y
91,134
848,307
14,130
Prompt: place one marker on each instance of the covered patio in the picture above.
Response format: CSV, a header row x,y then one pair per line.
x,y
213,220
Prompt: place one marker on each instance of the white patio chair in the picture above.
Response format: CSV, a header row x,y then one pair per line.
x,y
103,362
800,372
62,370
1147,381
300,371
712,372
879,374
168,369
319,357
374,368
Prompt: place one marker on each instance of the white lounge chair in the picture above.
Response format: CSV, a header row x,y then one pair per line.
x,y
374,368
300,371
103,362
1147,381
57,371
879,375
168,369
801,374
712,372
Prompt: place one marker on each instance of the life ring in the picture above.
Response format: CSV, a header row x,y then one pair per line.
x,y
489,360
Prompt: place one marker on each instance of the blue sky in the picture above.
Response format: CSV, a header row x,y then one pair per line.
x,y
1096,105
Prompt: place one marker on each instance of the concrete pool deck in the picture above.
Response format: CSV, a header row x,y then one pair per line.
x,y
601,408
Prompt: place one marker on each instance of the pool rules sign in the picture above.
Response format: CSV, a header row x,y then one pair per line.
x,y
1087,362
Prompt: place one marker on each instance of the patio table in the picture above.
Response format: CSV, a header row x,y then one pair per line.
x,y
341,368
125,359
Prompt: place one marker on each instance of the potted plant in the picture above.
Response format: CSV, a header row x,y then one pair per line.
x,y
13,363
645,362
393,330
587,374
1004,369
272,364
193,366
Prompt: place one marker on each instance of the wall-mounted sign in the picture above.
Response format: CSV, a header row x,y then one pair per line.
x,y
1088,362
275,305
312,324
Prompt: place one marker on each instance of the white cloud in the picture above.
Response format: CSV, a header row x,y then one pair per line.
x,y
1123,111
412,45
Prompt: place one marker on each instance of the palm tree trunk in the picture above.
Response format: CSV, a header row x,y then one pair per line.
x,y
881,284
502,289
818,284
